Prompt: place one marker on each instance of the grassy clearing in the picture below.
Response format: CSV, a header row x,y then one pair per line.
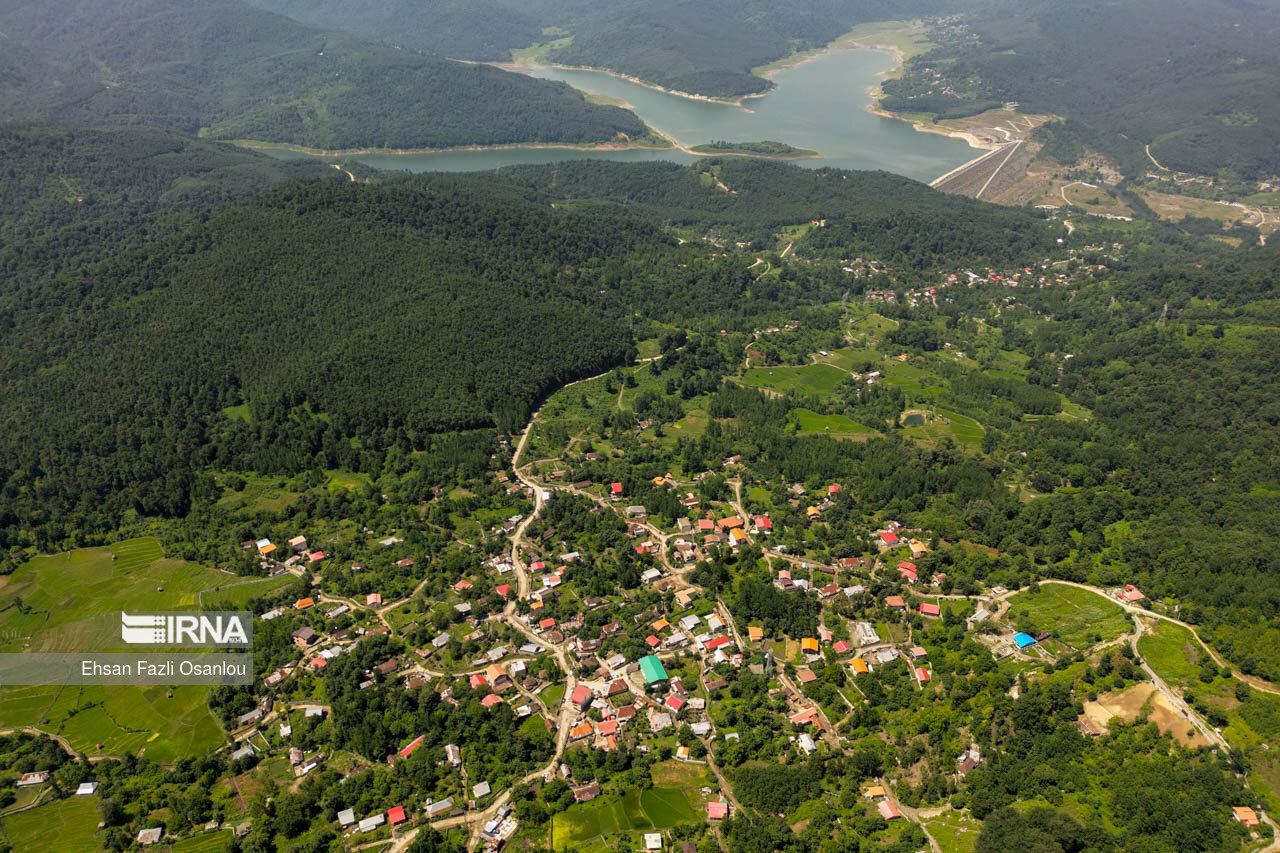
x,y
1172,652
539,52
552,696
65,825
818,379
238,413
260,494
954,832
1078,617
205,842
835,425
69,602
679,774
653,808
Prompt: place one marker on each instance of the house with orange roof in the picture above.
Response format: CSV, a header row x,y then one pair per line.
x,y
304,603
755,633
1245,815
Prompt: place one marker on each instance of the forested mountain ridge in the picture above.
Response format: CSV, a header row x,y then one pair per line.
x,y
370,306
708,47
229,71
1196,79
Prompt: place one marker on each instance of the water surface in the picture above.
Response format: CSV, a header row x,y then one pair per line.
x,y
820,104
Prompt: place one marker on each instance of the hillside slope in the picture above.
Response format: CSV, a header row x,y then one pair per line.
x,y
707,48
1196,79
231,72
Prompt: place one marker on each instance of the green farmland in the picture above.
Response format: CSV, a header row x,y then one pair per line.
x,y
837,425
632,811
1078,617
70,602
811,379
66,826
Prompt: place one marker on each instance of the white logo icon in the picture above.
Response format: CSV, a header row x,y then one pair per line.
x,y
147,630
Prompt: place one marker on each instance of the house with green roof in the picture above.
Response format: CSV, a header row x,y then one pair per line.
x,y
652,670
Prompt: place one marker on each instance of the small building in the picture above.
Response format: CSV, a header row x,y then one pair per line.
x,y
1022,640
38,777
346,817
1245,815
652,670
153,834
442,807
480,790
653,841
895,602
87,789
373,599
717,811
806,743
371,823
888,810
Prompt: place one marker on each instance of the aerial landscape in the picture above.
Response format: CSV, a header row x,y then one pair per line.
x,y
831,426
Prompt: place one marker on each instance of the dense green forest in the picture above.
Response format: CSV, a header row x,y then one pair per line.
x,y
229,71
356,315
1196,79
708,48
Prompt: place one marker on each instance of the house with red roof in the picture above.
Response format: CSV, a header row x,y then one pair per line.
x,y
888,539
841,647
652,642
462,585
395,815
412,747
706,524
922,675
675,703
315,556
717,811
581,696
806,676
477,681
719,643
895,602
503,590
833,489
762,523
930,609
373,599
607,727
615,489
491,700
546,624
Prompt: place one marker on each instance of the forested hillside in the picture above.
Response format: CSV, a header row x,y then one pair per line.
x,y
350,315
1194,78
888,214
229,71
708,47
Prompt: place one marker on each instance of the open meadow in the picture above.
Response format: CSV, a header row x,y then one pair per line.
x,y
1077,617
71,602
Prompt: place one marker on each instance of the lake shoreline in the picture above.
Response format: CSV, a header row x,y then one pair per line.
x,y
874,93
673,145
526,69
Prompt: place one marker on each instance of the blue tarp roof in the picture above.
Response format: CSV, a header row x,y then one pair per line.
x,y
1023,640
